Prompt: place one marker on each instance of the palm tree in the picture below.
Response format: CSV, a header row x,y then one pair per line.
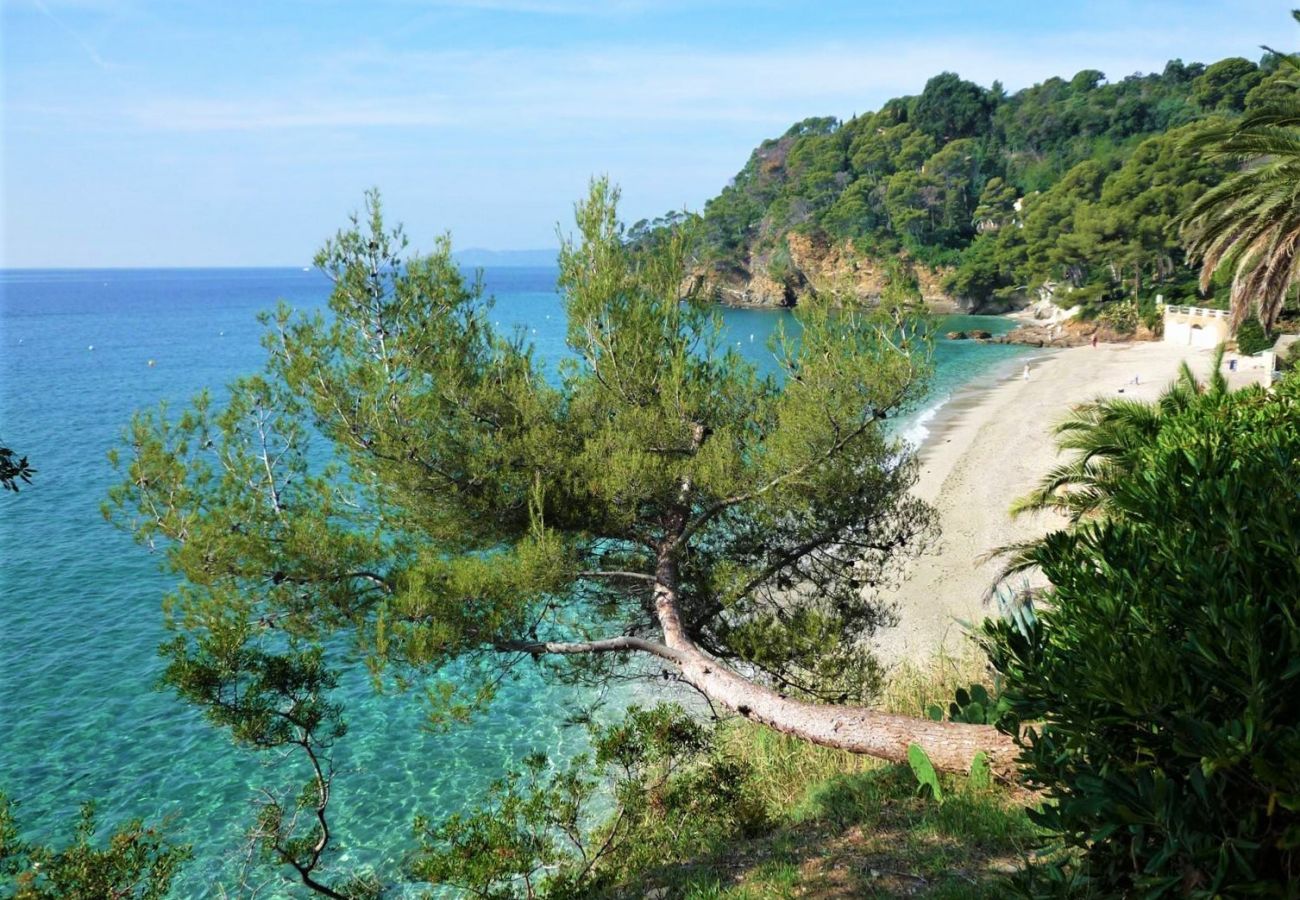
x,y
1251,221
1106,437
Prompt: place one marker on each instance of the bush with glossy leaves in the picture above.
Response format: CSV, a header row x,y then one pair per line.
x,y
1164,670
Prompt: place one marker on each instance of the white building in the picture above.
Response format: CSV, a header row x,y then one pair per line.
x,y
1195,326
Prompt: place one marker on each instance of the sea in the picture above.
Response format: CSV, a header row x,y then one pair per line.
x,y
81,717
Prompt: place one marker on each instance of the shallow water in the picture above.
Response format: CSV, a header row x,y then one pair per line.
x,y
79,601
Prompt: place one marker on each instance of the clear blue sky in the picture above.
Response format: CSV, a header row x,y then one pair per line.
x,y
240,132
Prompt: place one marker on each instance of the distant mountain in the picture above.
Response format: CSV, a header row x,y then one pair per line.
x,y
477,256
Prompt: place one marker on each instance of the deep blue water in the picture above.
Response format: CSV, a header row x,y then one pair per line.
x,y
79,601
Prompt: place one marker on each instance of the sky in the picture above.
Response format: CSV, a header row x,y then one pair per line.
x,y
242,132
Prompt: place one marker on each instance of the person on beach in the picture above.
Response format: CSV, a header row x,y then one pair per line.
x,y
1026,371
1094,342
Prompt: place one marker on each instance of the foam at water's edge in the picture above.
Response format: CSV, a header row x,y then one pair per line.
x,y
918,429
916,432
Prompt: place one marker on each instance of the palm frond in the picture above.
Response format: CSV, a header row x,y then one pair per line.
x,y
1106,439
1250,222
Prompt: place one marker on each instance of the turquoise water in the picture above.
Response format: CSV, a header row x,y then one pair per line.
x,y
79,601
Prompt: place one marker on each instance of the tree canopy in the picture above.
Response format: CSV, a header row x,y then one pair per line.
x,y
989,185
405,481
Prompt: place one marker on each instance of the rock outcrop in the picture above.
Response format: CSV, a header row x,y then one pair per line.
x,y
802,266
1072,332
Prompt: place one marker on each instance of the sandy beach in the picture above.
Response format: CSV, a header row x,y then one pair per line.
x,y
990,444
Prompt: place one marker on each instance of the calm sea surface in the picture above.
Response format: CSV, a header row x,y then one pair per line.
x,y
79,601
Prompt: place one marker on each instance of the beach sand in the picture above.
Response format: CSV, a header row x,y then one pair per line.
x,y
989,445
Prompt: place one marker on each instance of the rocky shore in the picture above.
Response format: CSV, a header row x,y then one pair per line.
x,y
803,267
1071,334
1045,325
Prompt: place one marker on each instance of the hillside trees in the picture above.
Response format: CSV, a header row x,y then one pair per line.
x,y
1112,232
1225,84
1135,219
950,108
657,498
936,174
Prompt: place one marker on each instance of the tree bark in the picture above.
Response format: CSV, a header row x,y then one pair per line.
x,y
951,746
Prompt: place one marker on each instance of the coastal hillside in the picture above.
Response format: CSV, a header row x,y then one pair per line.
x,y
982,200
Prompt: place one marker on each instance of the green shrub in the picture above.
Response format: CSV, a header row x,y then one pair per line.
x,y
1151,316
674,797
1165,666
1122,315
1251,338
780,267
1289,359
134,861
973,706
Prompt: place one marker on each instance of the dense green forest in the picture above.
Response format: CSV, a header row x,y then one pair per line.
x,y
1073,184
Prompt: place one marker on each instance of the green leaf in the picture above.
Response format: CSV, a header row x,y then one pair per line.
x,y
926,776
981,777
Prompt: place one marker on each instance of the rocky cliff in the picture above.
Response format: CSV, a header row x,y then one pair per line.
x,y
801,266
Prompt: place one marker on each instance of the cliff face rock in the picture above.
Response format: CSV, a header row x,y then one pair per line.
x,y
738,289
802,266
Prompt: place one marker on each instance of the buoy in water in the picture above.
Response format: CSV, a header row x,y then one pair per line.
x,y
151,363
91,347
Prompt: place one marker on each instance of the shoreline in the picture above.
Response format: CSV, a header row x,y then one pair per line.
x,y
989,442
938,418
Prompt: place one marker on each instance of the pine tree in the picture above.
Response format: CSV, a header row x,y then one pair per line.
x,y
656,496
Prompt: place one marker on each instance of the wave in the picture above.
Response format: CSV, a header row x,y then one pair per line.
x,y
917,430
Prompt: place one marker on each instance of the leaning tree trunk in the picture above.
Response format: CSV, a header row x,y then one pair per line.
x,y
951,746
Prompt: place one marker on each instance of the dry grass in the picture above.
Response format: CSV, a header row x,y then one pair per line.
x,y
786,766
844,825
